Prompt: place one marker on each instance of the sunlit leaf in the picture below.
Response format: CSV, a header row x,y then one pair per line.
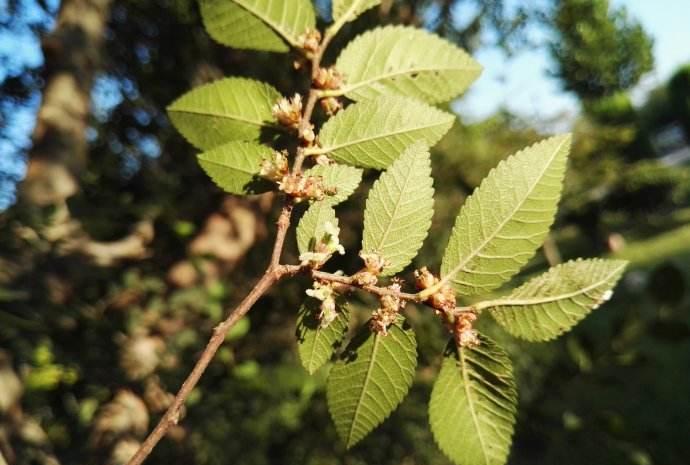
x,y
348,10
370,380
223,111
343,178
408,61
551,304
399,208
372,133
315,344
506,218
257,24
473,404
235,167
311,227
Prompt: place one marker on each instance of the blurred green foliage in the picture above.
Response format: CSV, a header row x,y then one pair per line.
x,y
89,355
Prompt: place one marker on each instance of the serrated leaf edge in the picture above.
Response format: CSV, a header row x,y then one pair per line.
x,y
544,300
346,89
565,139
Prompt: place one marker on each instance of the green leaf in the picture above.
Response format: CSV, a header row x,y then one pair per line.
x,y
506,219
343,178
257,24
372,134
235,167
472,407
369,381
225,110
315,344
311,227
399,208
549,305
408,61
348,10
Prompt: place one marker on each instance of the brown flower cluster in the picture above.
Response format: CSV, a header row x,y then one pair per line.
x,y
288,112
301,187
310,40
373,265
387,313
444,302
465,335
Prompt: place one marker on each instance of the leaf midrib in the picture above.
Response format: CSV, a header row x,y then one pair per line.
x,y
221,115
545,300
387,231
346,89
383,136
319,331
223,165
364,389
288,37
461,265
345,17
470,402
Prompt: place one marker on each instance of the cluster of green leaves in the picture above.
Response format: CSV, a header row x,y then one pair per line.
x,y
392,76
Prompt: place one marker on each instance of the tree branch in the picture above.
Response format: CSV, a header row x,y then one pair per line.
x,y
172,415
349,281
274,273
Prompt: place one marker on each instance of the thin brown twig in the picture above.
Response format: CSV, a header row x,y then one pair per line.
x,y
274,273
172,415
314,95
350,281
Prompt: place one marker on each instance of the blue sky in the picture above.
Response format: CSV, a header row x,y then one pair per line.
x,y
522,83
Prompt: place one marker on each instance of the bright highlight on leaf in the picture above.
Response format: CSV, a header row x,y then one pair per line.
x,y
235,166
348,10
370,380
372,133
343,178
315,344
257,24
506,218
393,74
223,111
408,61
312,226
473,403
551,304
399,208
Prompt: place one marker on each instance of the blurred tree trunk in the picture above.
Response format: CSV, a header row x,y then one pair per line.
x,y
72,57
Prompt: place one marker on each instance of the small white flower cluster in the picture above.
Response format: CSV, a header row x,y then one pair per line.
x,y
373,265
288,112
324,248
275,169
309,40
326,294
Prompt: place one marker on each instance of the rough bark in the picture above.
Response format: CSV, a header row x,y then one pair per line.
x,y
59,148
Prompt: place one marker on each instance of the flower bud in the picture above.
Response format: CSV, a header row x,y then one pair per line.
x,y
331,105
328,78
465,334
424,279
309,40
288,112
275,169
307,134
